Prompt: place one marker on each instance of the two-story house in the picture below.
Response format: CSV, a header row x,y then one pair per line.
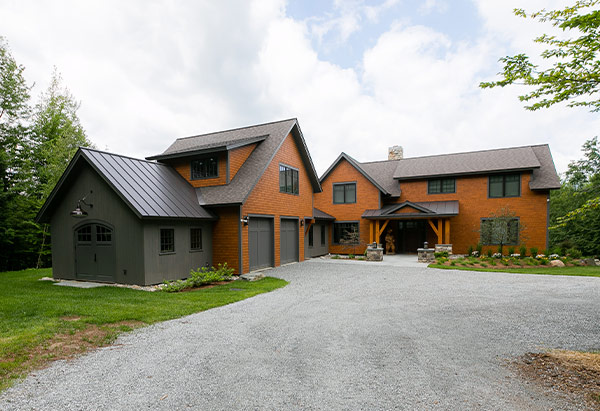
x,y
250,197
442,199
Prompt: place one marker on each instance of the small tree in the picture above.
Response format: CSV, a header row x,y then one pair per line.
x,y
501,228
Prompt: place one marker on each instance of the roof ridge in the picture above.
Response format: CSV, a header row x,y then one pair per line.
x,y
236,128
121,155
472,152
380,161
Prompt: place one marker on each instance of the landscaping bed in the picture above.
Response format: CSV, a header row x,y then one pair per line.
x,y
41,322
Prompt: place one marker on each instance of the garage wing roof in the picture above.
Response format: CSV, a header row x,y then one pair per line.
x,y
150,189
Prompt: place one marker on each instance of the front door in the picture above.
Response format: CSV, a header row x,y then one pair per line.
x,y
95,253
411,235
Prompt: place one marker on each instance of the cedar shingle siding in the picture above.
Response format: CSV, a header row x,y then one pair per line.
x,y
168,223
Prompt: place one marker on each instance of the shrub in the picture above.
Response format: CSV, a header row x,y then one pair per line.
x,y
574,253
523,251
335,257
452,262
489,253
543,261
546,252
441,254
511,250
361,258
534,251
500,249
475,253
497,255
351,256
483,264
199,277
470,250
479,248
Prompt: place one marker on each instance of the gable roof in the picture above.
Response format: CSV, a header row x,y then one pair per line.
x,y
150,189
383,173
379,176
422,209
270,137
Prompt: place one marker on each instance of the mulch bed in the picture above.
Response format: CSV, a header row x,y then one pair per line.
x,y
573,375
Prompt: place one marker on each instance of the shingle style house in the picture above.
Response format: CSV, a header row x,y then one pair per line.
x,y
250,197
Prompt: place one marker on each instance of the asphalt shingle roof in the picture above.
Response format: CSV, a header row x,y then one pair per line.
x,y
474,162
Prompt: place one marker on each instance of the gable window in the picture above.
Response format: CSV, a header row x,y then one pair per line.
x,y
310,236
205,167
441,186
345,233
344,193
288,180
195,239
505,185
167,240
322,235
496,231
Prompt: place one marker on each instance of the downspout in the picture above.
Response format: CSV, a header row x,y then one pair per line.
x,y
240,254
548,221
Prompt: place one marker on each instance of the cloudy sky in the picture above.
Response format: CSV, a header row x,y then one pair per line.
x,y
359,75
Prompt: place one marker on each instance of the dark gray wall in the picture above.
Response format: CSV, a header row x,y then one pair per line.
x,y
317,249
108,208
160,267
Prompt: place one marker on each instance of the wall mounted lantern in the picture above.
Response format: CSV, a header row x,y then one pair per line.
x,y
302,223
79,212
244,220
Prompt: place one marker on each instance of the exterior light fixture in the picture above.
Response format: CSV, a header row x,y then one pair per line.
x,y
244,220
302,223
79,212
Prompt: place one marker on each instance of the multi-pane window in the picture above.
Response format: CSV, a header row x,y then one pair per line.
x,y
345,233
495,231
84,234
167,240
344,193
322,235
288,179
103,234
505,185
310,236
441,185
195,239
205,167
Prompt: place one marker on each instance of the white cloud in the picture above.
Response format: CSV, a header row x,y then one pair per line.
x,y
150,72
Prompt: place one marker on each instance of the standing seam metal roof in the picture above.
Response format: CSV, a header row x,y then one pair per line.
x,y
152,189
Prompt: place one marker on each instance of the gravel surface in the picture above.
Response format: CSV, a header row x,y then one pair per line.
x,y
339,336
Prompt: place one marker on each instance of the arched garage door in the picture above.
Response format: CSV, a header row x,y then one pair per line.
x,y
95,253
289,240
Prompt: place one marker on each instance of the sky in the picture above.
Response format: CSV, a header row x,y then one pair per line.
x,y
359,75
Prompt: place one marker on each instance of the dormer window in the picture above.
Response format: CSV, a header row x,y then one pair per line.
x,y
205,167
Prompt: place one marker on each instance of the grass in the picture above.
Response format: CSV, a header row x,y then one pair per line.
x,y
36,314
586,271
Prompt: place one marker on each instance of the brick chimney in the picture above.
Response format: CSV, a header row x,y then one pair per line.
x,y
395,153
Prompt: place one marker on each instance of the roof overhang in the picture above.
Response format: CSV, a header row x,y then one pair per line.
x,y
208,150
470,173
356,165
430,209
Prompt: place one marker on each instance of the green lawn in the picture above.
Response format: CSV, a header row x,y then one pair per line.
x,y
32,312
576,271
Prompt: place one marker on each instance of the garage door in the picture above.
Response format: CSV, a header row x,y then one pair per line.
x,y
95,253
260,242
289,241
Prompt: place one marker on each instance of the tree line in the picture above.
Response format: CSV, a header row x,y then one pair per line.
x,y
38,139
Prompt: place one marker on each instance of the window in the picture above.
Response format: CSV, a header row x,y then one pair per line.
x,y
288,180
441,185
323,235
103,234
344,193
195,239
205,167
506,185
167,240
345,233
500,230
84,234
310,236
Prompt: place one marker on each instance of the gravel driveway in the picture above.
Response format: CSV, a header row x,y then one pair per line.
x,y
339,336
